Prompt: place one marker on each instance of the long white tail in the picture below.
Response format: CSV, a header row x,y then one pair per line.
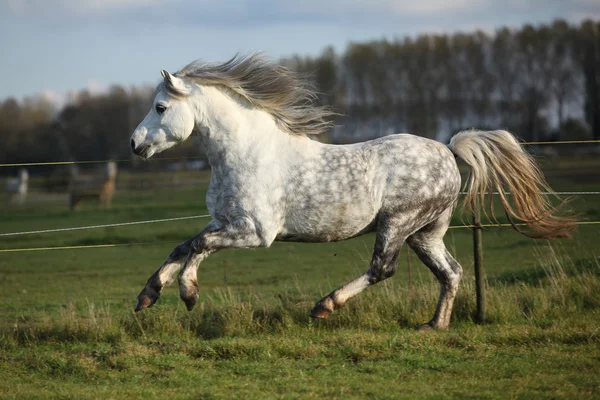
x,y
497,161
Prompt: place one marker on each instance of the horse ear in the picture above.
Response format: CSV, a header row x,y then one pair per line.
x,y
175,82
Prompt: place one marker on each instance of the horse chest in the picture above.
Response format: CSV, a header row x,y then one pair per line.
x,y
232,196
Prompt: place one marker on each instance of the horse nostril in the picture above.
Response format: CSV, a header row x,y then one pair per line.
x,y
132,145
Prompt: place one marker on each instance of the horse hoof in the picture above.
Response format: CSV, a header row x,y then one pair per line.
x,y
424,328
189,294
190,302
320,314
144,301
319,311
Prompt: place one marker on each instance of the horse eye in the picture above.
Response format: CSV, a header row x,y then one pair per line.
x,y
160,108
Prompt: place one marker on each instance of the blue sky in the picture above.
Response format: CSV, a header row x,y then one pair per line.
x,y
53,46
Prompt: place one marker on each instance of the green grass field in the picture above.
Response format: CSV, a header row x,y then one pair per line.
x,y
67,327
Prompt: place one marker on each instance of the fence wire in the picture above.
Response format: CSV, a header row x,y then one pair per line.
x,y
90,246
76,228
108,245
31,164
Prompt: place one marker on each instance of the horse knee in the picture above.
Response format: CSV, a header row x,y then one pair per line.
x,y
198,244
180,251
381,273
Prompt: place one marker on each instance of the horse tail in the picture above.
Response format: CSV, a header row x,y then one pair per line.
x,y
497,160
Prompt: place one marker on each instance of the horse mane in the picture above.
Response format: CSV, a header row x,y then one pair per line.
x,y
271,87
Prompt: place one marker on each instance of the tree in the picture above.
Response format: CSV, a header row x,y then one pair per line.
x,y
588,45
565,72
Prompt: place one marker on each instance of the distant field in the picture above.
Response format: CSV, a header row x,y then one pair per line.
x,y
67,328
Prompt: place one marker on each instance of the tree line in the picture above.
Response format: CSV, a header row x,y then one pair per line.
x,y
540,82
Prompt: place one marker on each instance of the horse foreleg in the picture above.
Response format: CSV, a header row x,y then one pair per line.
x,y
383,265
241,235
166,273
163,276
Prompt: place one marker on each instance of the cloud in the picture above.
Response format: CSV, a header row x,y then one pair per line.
x,y
70,7
95,87
235,10
59,44
240,14
341,7
55,98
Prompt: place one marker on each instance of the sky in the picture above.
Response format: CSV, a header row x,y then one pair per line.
x,y
51,47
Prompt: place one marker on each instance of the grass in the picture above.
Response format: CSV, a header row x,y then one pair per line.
x,y
542,340
67,328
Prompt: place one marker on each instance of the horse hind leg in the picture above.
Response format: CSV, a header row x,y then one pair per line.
x,y
429,245
384,264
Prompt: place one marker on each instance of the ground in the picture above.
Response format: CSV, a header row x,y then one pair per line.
x,y
67,326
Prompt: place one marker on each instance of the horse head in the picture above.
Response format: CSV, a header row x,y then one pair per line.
x,y
171,119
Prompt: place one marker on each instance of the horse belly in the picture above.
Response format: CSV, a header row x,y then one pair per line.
x,y
329,221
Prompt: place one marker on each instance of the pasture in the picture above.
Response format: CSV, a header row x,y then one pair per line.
x,y
67,327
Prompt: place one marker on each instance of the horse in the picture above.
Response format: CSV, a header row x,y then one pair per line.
x,y
102,188
271,182
16,188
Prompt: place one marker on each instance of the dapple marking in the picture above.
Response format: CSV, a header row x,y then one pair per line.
x,y
271,182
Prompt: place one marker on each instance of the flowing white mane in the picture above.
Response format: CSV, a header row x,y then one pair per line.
x,y
271,87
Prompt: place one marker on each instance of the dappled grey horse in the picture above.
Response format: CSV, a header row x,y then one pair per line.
x,y
271,182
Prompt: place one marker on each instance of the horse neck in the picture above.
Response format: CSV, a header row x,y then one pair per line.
x,y
237,133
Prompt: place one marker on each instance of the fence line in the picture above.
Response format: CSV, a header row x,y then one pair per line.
x,y
92,246
76,228
29,164
508,225
555,193
563,142
206,216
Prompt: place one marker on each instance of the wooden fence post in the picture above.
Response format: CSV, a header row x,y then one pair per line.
x,y
479,274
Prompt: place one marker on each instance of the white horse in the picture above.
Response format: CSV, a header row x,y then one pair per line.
x,y
17,187
271,182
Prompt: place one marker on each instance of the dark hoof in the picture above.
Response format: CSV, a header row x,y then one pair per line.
x,y
322,310
320,313
144,301
424,328
189,295
190,302
147,297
